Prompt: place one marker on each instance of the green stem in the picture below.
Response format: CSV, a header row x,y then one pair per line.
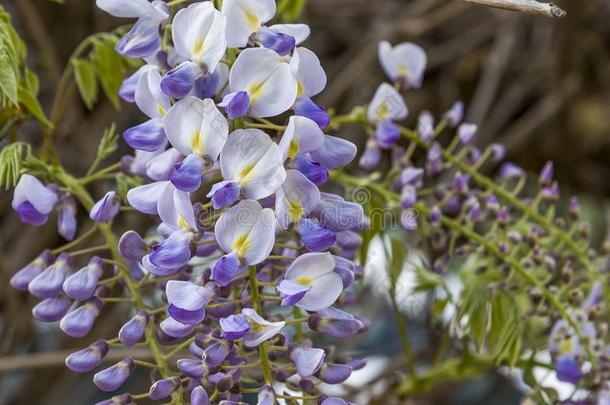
x,y
75,242
86,200
256,302
264,126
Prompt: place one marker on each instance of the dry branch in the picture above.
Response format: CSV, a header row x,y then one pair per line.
x,y
523,6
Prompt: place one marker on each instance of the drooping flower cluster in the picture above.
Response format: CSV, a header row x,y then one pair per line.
x,y
255,254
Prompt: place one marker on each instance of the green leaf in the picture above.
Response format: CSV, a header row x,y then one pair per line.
x,y
109,68
397,260
126,183
84,73
31,104
108,144
8,79
291,10
11,159
426,280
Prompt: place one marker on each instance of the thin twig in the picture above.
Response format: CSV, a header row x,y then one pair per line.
x,y
522,6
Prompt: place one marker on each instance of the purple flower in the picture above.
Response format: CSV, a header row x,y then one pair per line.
x,y
81,285
88,358
133,330
224,193
192,368
175,329
66,218
226,268
216,353
113,377
261,330
106,208
179,81
307,360
281,43
21,279
148,136
187,301
334,152
187,176
466,132
164,388
339,215
78,323
266,396
123,399
132,246
236,104
387,133
173,253
305,107
32,200
310,282
314,171
52,309
425,125
335,322
371,156
568,370
234,327
455,114
510,170
314,236
334,373
199,396
49,282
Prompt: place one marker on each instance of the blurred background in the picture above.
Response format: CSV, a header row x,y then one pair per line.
x,y
540,86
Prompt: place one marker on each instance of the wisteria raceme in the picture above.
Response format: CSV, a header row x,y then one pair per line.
x,y
255,254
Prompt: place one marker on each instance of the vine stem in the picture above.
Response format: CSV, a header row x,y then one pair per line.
x,y
481,241
75,242
77,189
256,302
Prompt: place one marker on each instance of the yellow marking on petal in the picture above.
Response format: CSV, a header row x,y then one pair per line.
x,y
182,223
198,48
293,149
241,245
196,142
244,173
161,110
383,111
256,327
295,210
254,91
403,71
566,346
252,19
300,89
304,280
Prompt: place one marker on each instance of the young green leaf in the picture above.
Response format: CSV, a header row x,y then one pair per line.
x,y
84,73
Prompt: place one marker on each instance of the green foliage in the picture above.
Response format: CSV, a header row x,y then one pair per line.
x,y
18,85
291,10
84,73
126,183
11,158
108,144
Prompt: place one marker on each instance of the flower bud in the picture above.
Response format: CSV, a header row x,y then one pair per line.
x,y
66,218
335,322
434,164
48,283
52,309
132,246
371,156
334,373
466,132
546,174
88,358
81,285
199,396
455,114
307,360
113,377
192,368
25,275
164,388
425,125
106,208
133,331
78,323
314,236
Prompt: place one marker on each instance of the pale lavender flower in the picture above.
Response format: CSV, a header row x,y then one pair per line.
x,y
404,63
32,200
261,330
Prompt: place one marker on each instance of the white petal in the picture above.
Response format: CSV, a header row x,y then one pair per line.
x,y
176,210
300,32
261,238
149,97
311,265
387,60
236,222
295,199
126,8
29,188
267,79
253,159
144,198
244,17
302,135
161,167
196,126
198,32
308,71
387,104
324,292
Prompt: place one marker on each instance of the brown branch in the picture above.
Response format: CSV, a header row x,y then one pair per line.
x,y
523,6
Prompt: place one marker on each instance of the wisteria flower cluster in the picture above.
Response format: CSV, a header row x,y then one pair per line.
x,y
254,250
